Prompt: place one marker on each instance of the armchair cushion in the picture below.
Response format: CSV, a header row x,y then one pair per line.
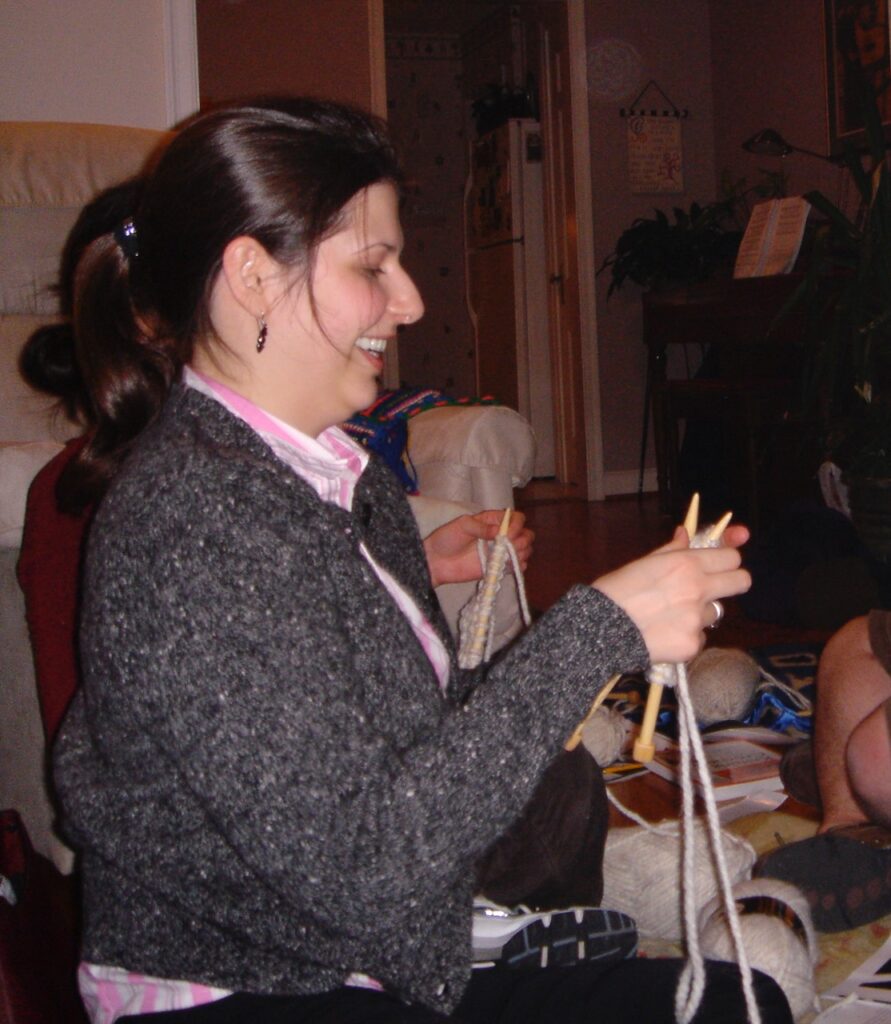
x,y
48,170
475,455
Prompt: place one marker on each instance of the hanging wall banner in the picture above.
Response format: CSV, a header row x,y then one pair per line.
x,y
655,156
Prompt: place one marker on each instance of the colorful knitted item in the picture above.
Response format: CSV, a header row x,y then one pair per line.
x,y
383,426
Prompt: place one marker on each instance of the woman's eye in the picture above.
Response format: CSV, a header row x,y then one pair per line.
x,y
373,271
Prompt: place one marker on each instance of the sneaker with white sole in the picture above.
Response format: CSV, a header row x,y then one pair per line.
x,y
519,937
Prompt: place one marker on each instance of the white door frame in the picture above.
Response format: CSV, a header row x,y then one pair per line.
x,y
180,59
584,205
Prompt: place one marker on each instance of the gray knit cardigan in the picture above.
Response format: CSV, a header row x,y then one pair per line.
x,y
267,786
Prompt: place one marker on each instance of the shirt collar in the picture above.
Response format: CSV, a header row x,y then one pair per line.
x,y
331,463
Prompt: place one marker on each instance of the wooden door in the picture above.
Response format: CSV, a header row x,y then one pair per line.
x,y
547,42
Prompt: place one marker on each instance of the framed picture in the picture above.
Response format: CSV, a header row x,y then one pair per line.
x,y
857,47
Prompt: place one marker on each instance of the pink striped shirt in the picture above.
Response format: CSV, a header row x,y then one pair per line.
x,y
331,464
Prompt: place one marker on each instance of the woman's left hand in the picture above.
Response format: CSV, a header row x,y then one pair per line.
x,y
452,548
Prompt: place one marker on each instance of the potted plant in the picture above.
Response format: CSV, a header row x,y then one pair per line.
x,y
847,365
689,246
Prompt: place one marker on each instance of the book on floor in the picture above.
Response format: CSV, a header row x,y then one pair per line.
x,y
737,767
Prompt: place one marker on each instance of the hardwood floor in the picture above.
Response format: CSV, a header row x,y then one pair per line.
x,y
576,541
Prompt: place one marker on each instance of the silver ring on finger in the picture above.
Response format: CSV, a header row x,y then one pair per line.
x,y
719,614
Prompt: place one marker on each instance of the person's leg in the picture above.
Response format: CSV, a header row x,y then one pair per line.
x,y
851,685
845,870
628,993
869,765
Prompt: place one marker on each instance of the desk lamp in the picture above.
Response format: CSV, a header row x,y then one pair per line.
x,y
768,142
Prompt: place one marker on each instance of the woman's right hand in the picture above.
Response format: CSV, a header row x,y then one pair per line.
x,y
668,594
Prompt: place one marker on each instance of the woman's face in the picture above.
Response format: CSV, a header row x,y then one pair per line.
x,y
337,331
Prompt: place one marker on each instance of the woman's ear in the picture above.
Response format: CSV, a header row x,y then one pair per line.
x,y
250,274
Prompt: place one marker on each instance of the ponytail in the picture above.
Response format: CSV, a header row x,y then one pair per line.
x,y
126,372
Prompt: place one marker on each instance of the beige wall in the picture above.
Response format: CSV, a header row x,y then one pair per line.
x,y
285,46
738,66
102,61
769,72
672,42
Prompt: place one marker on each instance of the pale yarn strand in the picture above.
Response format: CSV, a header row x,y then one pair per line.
x,y
690,989
691,983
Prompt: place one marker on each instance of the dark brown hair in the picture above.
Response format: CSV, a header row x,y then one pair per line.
x,y
277,170
47,360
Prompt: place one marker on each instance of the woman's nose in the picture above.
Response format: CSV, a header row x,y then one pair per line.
x,y
408,304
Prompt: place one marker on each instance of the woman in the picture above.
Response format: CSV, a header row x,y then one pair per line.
x,y
49,565
277,776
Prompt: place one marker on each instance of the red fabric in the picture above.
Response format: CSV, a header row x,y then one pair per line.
x,y
49,573
38,944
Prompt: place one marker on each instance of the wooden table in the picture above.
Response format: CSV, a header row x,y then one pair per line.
x,y
756,356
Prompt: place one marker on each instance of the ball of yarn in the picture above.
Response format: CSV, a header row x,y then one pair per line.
x,y
603,735
642,873
777,933
722,683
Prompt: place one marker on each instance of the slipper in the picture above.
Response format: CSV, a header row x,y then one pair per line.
x,y
845,874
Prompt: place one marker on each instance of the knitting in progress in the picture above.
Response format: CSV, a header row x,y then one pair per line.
x,y
718,932
476,624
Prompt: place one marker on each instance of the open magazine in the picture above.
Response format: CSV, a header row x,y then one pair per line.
x,y
738,766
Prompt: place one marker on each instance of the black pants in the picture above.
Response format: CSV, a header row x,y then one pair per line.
x,y
633,992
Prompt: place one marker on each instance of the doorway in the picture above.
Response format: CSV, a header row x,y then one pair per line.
x,y
438,56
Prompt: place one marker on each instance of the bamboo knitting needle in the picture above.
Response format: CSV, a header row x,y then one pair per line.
x,y
576,737
644,749
716,532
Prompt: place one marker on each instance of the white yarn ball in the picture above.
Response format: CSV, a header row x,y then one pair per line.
x,y
603,735
722,683
642,871
771,945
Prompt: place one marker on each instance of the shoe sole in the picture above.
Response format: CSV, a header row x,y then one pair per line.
x,y
847,883
564,938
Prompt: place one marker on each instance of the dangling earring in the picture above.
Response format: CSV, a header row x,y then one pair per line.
x,y
262,331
